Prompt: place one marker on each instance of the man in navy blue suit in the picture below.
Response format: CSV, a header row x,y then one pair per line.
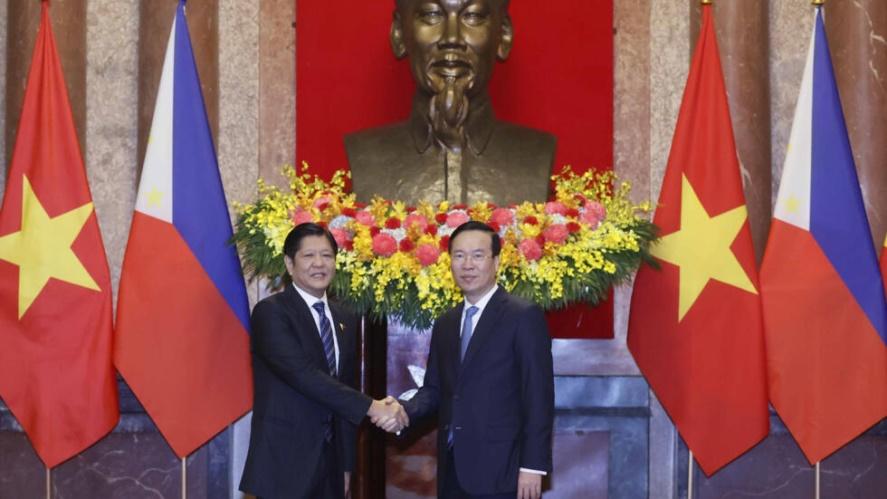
x,y
490,380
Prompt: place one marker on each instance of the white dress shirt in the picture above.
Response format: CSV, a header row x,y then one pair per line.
x,y
310,300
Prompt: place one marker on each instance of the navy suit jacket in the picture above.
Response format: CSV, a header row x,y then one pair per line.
x,y
499,401
296,397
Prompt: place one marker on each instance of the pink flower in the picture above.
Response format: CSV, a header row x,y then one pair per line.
x,y
456,219
384,245
341,236
556,233
594,213
530,249
555,208
301,216
427,254
416,219
364,217
502,216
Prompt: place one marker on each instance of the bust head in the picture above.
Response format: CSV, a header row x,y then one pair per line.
x,y
452,46
452,41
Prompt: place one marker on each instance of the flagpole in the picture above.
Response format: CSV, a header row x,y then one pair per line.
x,y
817,480
690,461
184,478
48,483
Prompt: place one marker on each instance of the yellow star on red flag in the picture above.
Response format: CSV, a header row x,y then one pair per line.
x,y
701,248
42,248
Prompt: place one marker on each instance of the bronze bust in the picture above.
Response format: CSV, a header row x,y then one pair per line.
x,y
452,147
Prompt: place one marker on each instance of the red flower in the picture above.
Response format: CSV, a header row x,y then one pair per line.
x,y
301,216
457,218
406,245
555,208
445,243
573,227
502,216
460,206
349,245
530,249
374,231
556,233
440,218
349,212
572,213
392,223
540,240
384,245
431,230
364,217
322,202
531,220
494,226
427,254
322,224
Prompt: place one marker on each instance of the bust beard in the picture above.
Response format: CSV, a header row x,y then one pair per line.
x,y
448,110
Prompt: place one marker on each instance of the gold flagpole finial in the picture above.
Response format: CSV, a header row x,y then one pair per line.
x,y
705,2
818,3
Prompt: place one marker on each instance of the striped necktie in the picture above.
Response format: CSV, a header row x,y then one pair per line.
x,y
326,336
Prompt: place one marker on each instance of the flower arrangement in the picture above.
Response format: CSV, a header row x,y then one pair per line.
x,y
393,258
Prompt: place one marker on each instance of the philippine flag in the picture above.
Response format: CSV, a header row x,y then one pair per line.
x,y
183,317
824,307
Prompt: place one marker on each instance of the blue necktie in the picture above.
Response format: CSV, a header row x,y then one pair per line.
x,y
467,330
326,336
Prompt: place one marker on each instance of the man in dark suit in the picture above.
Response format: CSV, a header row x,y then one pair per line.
x,y
490,380
306,408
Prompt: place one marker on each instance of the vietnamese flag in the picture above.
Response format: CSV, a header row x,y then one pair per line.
x,y
824,310
56,374
695,328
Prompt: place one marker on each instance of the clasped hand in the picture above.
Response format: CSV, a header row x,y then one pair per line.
x,y
388,414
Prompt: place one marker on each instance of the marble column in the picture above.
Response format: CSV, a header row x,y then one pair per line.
x,y
277,98
743,40
69,26
155,22
856,32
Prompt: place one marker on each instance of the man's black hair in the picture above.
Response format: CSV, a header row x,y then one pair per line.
x,y
294,239
474,225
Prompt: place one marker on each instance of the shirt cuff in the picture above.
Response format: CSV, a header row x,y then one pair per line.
x,y
535,472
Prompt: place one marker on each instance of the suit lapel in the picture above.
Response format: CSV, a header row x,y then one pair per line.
x,y
451,340
485,326
306,325
339,331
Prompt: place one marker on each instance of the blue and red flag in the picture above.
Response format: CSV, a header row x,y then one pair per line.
x,y
824,307
183,315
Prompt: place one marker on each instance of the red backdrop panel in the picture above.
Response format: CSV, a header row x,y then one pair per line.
x,y
559,78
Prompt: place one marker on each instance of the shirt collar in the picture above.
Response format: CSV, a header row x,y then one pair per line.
x,y
310,299
482,302
478,129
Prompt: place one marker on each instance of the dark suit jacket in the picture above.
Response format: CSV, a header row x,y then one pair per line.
x,y
295,397
499,401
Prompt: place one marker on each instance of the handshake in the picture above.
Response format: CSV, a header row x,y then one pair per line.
x,y
388,415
